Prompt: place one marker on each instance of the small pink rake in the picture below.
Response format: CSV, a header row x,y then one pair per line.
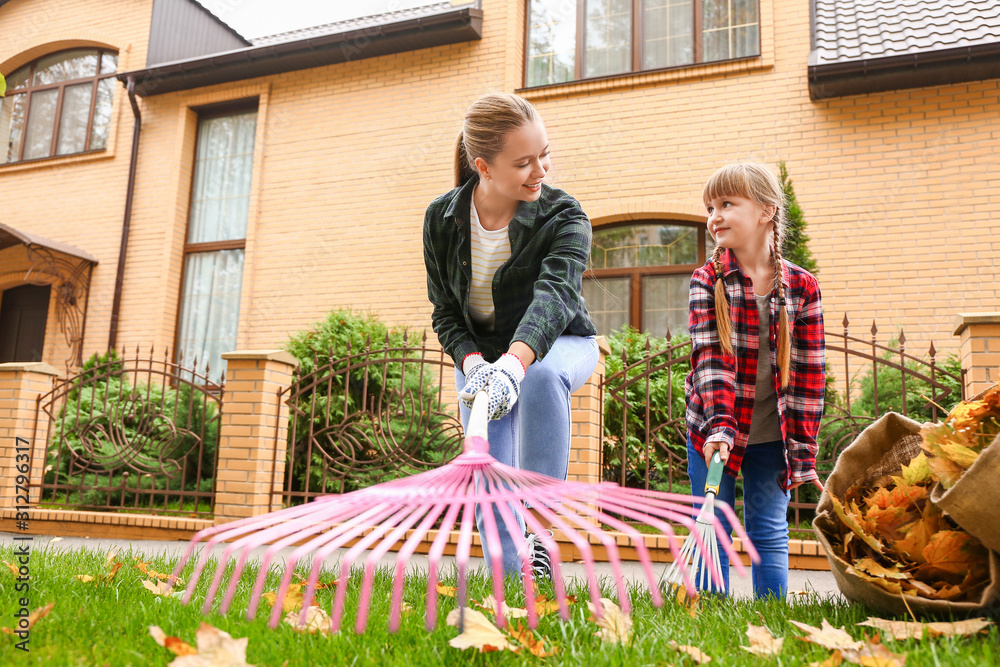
x,y
407,510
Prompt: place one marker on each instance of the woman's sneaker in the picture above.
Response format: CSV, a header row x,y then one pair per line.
x,y
541,564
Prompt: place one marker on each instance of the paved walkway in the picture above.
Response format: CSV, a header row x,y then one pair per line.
x,y
821,582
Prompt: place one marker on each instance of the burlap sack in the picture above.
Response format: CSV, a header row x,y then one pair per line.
x,y
882,449
974,501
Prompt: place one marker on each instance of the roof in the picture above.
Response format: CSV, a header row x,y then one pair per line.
x,y
868,45
353,24
181,29
394,32
10,237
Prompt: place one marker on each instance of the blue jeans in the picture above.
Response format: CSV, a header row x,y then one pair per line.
x,y
535,434
765,512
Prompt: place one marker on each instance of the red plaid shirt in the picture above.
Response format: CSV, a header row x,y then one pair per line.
x,y
720,389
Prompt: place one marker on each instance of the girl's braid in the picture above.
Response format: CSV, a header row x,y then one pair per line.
x,y
723,322
784,339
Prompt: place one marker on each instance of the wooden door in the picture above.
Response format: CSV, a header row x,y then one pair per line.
x,y
24,310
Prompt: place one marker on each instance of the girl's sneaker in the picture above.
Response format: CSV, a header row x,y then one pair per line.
x,y
541,565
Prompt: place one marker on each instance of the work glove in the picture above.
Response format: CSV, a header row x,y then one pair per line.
x,y
505,385
477,374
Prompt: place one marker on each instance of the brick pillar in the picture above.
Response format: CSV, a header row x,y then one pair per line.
x,y
588,411
21,383
980,350
252,437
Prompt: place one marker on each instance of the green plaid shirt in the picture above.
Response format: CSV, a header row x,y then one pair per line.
x,y
536,293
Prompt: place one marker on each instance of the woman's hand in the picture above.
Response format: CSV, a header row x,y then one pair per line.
x,y
711,446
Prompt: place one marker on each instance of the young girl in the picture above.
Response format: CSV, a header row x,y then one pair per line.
x,y
505,255
755,390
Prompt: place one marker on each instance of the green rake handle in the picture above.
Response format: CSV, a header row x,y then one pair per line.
x,y
714,478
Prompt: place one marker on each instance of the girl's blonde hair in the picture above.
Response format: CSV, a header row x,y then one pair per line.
x,y
753,181
484,132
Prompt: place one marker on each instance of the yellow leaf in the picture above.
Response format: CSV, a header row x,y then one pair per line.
x,y
528,640
13,568
688,602
918,535
85,578
158,588
217,648
871,567
448,591
945,471
851,519
291,601
175,645
615,626
477,632
762,642
953,552
112,553
828,636
696,654
874,654
316,620
916,471
960,454
489,604
834,660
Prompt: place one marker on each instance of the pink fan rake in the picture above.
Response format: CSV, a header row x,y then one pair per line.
x,y
405,512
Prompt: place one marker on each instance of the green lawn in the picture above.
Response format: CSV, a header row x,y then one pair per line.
x,y
108,625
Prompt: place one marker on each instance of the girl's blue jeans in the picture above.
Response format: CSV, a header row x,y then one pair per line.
x,y
765,512
535,434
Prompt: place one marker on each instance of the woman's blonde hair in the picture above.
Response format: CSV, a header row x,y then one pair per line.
x,y
753,181
484,132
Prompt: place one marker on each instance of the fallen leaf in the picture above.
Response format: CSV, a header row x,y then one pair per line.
x,y
828,636
693,651
55,539
489,604
158,588
874,654
34,617
405,608
762,642
834,660
291,601
316,620
901,630
688,602
112,553
544,606
216,648
526,638
478,632
448,591
175,645
13,568
614,625
85,578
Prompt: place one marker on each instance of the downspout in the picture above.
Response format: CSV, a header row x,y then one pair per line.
x,y
130,190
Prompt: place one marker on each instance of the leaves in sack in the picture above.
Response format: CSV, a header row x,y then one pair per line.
x,y
893,536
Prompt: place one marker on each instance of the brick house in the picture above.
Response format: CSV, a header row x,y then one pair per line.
x,y
169,182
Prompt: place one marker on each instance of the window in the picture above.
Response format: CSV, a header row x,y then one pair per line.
x,y
59,105
579,39
216,239
640,275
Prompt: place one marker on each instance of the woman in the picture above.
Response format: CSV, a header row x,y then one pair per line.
x,y
505,255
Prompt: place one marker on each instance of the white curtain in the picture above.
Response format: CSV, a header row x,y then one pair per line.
x,y
211,309
220,201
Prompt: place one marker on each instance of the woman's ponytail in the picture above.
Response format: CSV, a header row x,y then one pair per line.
x,y
463,170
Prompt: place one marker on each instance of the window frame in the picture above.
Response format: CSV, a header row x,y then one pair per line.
x,y
205,112
31,89
636,274
637,45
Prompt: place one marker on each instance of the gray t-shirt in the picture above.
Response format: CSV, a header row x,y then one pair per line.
x,y
765,426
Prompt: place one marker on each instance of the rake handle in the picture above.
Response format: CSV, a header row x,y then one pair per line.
x,y
714,478
479,419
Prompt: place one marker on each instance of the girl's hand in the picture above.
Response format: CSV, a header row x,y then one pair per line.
x,y
710,448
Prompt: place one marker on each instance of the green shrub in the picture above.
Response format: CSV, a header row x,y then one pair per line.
x,y
666,409
161,426
406,390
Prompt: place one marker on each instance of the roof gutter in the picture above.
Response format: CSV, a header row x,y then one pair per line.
x,y
450,27
912,70
127,220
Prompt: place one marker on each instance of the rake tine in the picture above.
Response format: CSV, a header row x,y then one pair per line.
x,y
527,573
493,546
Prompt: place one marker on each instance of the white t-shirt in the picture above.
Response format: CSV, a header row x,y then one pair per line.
x,y
490,249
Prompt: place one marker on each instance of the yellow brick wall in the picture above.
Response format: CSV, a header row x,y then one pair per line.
x,y
895,186
76,200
